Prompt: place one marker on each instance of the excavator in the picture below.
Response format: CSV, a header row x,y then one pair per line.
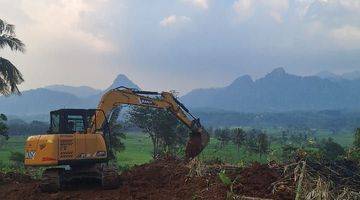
x,y
77,144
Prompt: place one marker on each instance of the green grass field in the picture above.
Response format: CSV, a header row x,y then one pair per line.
x,y
14,144
138,150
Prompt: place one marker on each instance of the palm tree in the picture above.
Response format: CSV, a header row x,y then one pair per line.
x,y
10,76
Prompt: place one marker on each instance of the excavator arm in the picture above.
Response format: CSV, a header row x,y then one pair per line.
x,y
199,138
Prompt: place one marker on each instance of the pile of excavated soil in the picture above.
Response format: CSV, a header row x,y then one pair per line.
x,y
167,178
257,181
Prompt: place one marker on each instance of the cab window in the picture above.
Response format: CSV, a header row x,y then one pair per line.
x,y
75,123
55,123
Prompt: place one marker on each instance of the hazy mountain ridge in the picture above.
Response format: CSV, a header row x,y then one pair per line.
x,y
79,91
42,100
278,91
39,101
336,77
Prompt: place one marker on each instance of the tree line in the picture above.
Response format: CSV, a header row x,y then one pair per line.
x,y
331,120
253,140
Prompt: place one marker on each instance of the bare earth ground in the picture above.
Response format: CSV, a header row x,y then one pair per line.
x,y
166,178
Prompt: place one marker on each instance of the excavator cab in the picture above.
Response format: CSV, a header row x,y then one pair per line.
x,y
68,121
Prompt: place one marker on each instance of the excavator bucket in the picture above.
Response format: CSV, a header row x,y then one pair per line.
x,y
197,142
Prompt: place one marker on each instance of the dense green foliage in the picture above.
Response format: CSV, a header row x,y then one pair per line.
x,y
164,130
20,127
117,134
10,76
3,127
357,138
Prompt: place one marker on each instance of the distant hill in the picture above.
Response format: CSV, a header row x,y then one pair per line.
x,y
352,75
80,91
335,77
329,75
39,102
279,91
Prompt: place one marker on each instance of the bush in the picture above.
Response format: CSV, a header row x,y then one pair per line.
x,y
17,159
331,150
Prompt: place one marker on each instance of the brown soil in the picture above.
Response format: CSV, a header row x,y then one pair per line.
x,y
257,181
167,178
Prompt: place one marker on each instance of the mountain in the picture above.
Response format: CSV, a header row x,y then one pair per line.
x,y
352,75
328,75
80,91
122,80
278,91
334,77
39,102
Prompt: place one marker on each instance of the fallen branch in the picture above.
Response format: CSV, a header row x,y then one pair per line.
x,y
250,198
299,186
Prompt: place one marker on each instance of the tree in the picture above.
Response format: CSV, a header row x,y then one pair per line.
x,y
162,127
251,143
357,138
3,130
284,137
238,137
3,127
288,152
223,135
263,143
330,149
10,76
116,131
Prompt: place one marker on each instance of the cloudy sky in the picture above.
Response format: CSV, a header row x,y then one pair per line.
x,y
180,44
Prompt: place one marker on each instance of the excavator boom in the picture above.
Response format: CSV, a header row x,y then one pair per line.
x,y
199,138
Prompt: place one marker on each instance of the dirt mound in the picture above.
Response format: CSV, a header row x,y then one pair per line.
x,y
167,178
11,177
257,181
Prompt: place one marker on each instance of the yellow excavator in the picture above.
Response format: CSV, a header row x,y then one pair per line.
x,y
78,144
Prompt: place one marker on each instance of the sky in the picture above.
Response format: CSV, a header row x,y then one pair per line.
x,y
180,44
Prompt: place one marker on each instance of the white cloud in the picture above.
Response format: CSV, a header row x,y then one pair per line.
x,y
347,36
302,7
244,9
274,8
203,4
352,5
61,19
277,8
174,19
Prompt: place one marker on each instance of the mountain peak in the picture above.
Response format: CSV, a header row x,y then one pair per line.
x,y
123,80
278,71
242,80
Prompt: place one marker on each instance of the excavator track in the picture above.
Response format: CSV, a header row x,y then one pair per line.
x,y
51,180
109,178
